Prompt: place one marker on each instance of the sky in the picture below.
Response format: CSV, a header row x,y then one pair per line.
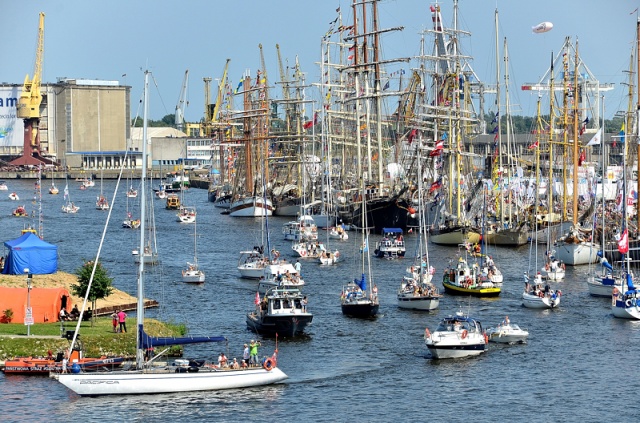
x,y
117,40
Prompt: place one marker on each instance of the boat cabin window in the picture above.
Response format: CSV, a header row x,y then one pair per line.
x,y
276,304
286,304
297,304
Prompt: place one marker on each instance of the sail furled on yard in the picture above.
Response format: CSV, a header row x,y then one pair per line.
x,y
148,341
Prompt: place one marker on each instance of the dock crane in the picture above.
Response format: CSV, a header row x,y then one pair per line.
x,y
212,111
182,103
29,108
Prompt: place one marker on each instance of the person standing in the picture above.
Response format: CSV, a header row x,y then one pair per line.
x,y
304,304
122,319
245,354
114,320
253,349
298,268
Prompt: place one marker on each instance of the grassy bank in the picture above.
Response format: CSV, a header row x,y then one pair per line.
x,y
96,341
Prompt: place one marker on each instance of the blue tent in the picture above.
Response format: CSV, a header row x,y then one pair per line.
x,y
30,252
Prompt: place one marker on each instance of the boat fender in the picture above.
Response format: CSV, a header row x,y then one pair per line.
x,y
75,368
269,364
627,303
192,369
464,333
486,338
427,334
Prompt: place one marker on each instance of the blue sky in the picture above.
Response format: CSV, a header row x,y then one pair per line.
x,y
105,40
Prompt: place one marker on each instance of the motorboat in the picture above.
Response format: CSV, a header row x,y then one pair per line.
x,y
192,274
338,232
14,197
392,244
456,336
507,333
173,202
309,249
186,215
329,258
282,311
285,275
463,279
302,229
20,211
130,223
538,296
44,366
3,186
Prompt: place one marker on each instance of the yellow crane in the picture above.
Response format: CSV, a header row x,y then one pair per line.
x,y
29,107
212,111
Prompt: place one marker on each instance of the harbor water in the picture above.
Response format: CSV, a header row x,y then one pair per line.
x,y
577,365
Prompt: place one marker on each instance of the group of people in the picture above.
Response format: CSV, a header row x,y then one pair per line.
x,y
119,321
73,315
249,357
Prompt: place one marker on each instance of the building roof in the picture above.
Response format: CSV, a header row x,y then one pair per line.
x,y
157,132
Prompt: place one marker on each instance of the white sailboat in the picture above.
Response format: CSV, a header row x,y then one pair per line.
x,y
68,207
188,377
193,274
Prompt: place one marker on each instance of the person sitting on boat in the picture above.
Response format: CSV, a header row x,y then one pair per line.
x,y
235,365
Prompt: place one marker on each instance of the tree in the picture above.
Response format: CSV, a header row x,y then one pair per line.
x,y
100,287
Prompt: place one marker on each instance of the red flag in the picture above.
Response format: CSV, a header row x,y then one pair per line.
x,y
534,145
257,300
623,243
436,185
412,135
438,149
311,123
582,158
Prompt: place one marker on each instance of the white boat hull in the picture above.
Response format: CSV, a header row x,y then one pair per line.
x,y
598,288
575,254
454,347
251,207
626,308
424,303
537,302
193,276
150,382
251,271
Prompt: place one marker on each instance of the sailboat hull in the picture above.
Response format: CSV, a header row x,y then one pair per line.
x,y
251,207
626,309
455,235
508,237
418,302
575,254
360,310
384,213
603,286
168,380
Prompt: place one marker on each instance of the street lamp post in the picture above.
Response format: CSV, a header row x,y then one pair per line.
x,y
29,314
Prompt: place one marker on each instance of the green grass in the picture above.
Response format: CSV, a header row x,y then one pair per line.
x,y
96,340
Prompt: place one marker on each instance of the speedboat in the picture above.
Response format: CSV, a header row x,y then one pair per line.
x,y
20,211
328,258
281,311
13,196
3,186
392,244
538,296
507,333
456,337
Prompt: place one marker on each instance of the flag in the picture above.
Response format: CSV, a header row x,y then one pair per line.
x,y
621,133
386,86
582,158
623,243
412,135
238,87
495,118
438,149
435,185
534,145
583,127
596,138
257,300
311,123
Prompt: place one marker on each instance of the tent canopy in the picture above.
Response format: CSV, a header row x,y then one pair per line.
x,y
30,252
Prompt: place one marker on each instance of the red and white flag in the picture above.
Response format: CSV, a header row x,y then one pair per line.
x,y
257,300
623,243
438,149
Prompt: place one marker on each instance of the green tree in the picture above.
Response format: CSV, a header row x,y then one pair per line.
x,y
100,287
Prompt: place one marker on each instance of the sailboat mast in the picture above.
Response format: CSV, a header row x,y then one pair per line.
x,y
143,177
499,134
552,129
576,111
637,114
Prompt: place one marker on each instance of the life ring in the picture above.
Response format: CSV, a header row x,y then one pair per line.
x,y
427,334
269,364
464,333
627,303
303,253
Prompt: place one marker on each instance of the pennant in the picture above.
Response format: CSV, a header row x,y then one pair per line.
x,y
386,86
623,243
596,138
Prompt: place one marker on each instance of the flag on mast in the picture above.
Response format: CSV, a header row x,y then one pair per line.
x,y
596,138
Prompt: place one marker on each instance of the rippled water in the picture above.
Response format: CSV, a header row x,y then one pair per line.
x,y
344,369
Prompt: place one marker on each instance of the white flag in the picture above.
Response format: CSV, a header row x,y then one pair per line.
x,y
596,138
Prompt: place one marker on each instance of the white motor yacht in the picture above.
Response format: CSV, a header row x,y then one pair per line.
x,y
456,337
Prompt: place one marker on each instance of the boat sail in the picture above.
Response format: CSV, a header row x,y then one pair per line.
x,y
196,376
193,274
